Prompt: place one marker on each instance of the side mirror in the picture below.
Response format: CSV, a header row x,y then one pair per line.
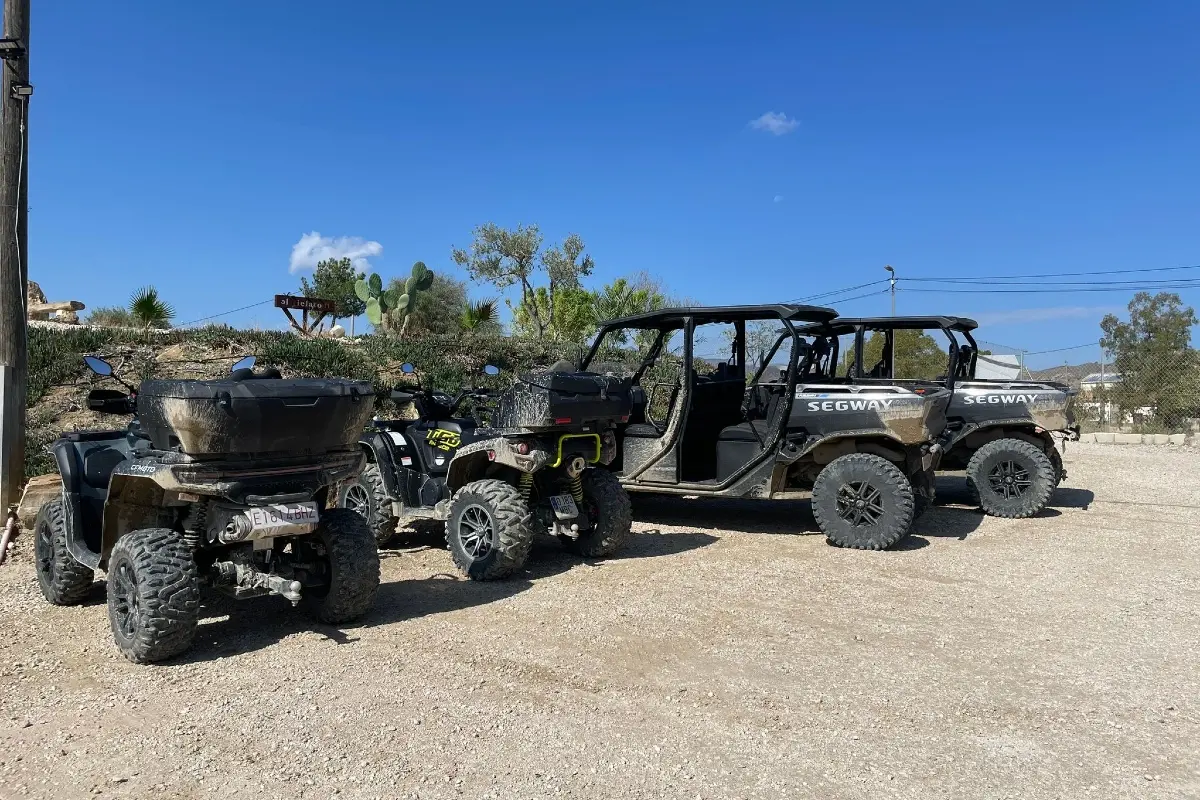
x,y
98,365
491,369
245,363
407,368
109,401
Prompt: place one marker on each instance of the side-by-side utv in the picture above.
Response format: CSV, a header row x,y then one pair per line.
x,y
730,427
1006,433
213,483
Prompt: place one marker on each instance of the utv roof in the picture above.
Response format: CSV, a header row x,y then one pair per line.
x,y
672,317
844,325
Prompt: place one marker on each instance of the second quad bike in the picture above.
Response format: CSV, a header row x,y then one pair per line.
x,y
220,483
727,428
530,468
1006,433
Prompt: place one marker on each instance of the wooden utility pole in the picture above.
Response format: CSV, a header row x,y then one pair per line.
x,y
15,91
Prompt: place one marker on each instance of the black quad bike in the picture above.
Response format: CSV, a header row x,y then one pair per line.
x,y
1007,434
220,483
775,430
526,464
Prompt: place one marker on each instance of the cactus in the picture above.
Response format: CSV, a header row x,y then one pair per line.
x,y
381,303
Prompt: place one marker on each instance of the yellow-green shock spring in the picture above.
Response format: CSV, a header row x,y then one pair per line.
x,y
526,485
576,485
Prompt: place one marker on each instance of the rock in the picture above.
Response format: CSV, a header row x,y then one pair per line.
x,y
69,317
43,309
33,293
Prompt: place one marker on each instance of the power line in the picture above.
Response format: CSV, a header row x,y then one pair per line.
x,y
869,294
836,292
1061,274
1188,285
1013,282
224,313
1062,349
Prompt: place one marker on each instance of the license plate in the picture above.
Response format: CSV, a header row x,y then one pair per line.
x,y
564,506
281,519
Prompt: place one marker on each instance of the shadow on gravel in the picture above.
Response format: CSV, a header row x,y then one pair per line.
x,y
1066,497
720,513
231,627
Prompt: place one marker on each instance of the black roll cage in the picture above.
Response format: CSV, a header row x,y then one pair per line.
x,y
859,326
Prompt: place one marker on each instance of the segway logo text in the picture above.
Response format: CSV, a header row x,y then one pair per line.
x,y
849,405
998,399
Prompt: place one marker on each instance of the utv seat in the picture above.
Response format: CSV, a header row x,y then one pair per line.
x,y
756,431
738,444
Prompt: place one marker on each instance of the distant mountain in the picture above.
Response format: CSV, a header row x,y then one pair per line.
x,y
1070,375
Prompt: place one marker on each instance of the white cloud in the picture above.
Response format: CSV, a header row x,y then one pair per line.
x,y
778,199
1017,316
775,122
314,247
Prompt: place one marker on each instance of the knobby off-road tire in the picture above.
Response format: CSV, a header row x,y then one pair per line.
x,y
1056,464
611,515
153,595
863,501
1012,478
367,495
63,580
347,545
489,530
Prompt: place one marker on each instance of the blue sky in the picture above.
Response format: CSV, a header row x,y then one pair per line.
x,y
191,145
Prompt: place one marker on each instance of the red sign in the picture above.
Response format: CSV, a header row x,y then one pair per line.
x,y
305,303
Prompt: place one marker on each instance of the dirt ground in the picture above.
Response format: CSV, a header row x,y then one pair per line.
x,y
730,653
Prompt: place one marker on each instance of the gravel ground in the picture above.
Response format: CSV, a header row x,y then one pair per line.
x,y
729,654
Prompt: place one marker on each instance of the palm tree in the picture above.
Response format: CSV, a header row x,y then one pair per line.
x,y
148,310
481,316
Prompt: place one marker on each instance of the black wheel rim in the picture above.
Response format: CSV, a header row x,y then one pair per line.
x,y
476,531
45,552
860,503
127,607
1009,480
358,500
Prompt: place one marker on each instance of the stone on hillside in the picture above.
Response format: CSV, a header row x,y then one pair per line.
x,y
43,310
33,293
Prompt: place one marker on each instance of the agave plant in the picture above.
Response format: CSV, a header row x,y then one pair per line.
x,y
480,316
148,310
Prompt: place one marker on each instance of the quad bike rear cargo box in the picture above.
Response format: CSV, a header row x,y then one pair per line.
x,y
563,400
252,418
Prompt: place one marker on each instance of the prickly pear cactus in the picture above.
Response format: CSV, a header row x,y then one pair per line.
x,y
382,304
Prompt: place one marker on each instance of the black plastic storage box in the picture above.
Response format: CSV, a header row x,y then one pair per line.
x,y
564,400
235,419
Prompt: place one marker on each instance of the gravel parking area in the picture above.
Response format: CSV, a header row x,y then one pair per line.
x,y
730,653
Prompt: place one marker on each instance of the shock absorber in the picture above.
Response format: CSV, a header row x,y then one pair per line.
x,y
526,486
574,481
194,524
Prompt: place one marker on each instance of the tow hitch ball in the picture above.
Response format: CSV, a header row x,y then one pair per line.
x,y
248,581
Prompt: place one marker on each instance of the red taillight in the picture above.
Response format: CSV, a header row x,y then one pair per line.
x,y
625,418
522,448
562,421
491,455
